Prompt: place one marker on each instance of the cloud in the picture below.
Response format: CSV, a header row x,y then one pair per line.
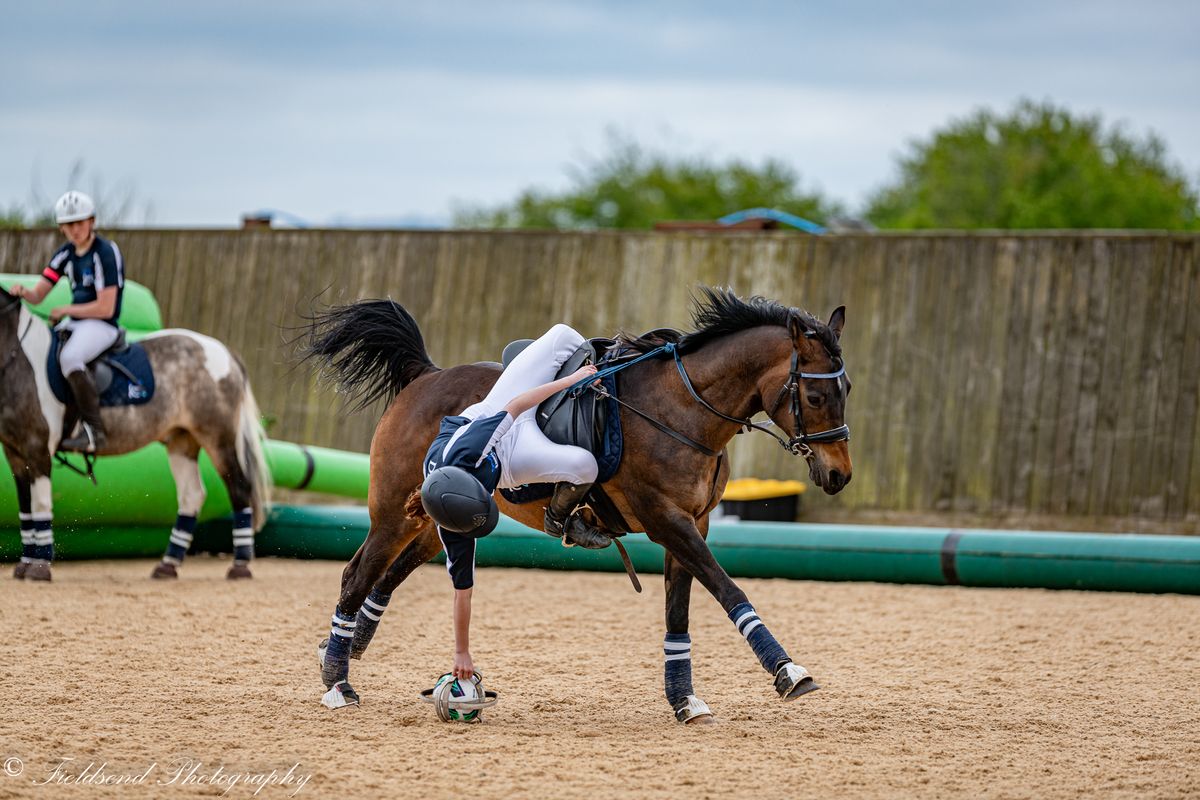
x,y
398,110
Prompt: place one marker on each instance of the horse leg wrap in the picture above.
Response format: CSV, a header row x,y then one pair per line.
x,y
181,539
677,667
43,539
368,621
770,653
243,536
336,666
27,544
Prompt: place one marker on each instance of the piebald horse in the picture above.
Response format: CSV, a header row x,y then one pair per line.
x,y
202,400
743,358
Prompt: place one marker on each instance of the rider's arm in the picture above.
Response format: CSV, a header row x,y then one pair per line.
x,y
50,276
530,398
463,665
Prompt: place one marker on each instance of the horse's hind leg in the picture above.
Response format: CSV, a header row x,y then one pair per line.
x,y
390,534
36,517
425,546
224,456
182,452
677,532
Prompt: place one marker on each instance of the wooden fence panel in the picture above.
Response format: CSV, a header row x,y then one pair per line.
x,y
1016,377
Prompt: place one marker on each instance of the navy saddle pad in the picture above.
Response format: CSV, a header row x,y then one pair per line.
x,y
123,376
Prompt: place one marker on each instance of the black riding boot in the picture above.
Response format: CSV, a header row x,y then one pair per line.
x,y
560,518
91,436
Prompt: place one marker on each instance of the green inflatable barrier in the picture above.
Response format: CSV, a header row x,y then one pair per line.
x,y
137,489
1131,563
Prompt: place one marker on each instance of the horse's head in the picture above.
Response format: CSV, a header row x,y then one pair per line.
x,y
812,403
9,312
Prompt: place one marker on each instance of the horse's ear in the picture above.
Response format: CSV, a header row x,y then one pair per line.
x,y
837,321
798,327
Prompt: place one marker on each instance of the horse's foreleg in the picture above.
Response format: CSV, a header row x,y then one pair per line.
x,y
677,532
36,513
425,546
182,451
677,646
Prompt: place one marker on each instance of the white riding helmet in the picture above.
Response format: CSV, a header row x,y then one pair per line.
x,y
73,206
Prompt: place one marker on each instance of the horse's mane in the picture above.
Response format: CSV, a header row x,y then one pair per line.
x,y
720,312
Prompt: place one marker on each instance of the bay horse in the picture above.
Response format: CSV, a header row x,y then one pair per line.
x,y
202,399
743,357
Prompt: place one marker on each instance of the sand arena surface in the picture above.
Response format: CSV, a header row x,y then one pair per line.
x,y
927,691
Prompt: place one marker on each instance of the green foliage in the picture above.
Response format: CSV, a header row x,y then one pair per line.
x,y
631,187
1037,167
15,217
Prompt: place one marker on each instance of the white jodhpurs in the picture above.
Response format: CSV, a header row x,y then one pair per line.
x,y
89,338
526,455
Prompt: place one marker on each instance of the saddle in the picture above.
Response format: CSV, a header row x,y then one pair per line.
x,y
586,419
122,373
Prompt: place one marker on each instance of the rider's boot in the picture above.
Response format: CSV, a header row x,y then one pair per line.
x,y
91,434
560,519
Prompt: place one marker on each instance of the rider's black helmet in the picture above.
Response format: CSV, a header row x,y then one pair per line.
x,y
457,502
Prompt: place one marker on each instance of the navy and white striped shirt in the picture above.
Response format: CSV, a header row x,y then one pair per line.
x,y
100,267
469,444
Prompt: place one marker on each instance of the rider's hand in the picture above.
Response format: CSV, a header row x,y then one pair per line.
x,y
463,666
17,290
56,314
587,370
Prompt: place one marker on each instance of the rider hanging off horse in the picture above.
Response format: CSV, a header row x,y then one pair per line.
x,y
493,443
682,398
177,387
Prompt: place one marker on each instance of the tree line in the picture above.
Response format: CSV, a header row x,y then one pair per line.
x,y
1036,166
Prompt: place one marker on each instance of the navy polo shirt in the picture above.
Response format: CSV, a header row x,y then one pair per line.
x,y
470,445
100,267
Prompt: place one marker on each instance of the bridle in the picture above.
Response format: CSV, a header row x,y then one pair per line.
x,y
798,443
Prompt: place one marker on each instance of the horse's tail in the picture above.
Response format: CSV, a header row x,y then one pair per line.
x,y
371,349
250,455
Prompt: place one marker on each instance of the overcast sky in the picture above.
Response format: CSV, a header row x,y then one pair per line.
x,y
394,112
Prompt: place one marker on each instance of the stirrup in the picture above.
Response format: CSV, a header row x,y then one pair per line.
x,y
87,442
579,533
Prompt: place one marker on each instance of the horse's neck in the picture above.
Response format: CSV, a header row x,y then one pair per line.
x,y
727,372
33,338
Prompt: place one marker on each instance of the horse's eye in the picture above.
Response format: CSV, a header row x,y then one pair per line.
x,y
816,400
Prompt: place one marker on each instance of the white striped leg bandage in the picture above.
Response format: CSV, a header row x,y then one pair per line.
x,y
243,536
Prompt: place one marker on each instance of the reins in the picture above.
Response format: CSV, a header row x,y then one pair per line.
x,y
797,444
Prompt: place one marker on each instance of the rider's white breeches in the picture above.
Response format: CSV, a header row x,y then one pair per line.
x,y
89,338
526,455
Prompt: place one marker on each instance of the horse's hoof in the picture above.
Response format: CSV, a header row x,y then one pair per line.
x,y
340,695
694,711
38,571
793,680
164,571
238,571
20,569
